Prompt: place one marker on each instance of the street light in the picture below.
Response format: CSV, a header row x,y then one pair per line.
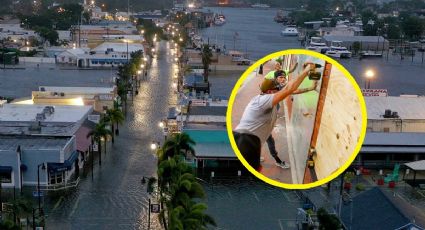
x,y
43,167
155,145
369,76
161,124
149,189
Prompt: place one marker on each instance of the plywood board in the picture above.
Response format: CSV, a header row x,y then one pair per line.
x,y
301,110
340,125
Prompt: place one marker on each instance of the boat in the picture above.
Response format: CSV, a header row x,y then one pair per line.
x,y
318,45
219,20
290,31
370,53
338,50
260,5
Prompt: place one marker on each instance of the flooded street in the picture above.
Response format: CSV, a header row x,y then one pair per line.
x,y
114,198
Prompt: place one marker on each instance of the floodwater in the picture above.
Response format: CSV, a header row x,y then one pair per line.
x,y
253,31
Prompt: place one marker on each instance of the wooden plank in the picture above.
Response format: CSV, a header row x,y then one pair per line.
x,y
310,174
340,125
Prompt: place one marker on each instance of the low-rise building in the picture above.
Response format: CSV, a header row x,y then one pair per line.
x,y
22,157
51,140
366,42
101,98
396,114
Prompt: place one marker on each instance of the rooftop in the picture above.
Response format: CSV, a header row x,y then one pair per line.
x,y
119,47
208,110
78,90
8,143
356,214
28,113
381,142
406,107
211,143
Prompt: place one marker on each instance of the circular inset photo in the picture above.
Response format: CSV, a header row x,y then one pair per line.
x,y
296,119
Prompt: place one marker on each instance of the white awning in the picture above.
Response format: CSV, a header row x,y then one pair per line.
x,y
416,165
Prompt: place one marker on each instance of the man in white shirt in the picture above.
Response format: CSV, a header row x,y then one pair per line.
x,y
260,115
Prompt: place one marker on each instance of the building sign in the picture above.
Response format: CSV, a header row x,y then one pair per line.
x,y
94,118
198,102
37,194
375,92
6,207
155,208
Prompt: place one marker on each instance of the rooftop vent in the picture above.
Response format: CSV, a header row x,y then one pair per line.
x,y
40,117
48,110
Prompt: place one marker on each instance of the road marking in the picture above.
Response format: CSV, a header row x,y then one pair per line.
x,y
256,197
230,195
74,208
280,224
57,203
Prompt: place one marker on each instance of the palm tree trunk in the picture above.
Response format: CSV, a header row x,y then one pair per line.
x,y
105,144
117,131
113,132
100,151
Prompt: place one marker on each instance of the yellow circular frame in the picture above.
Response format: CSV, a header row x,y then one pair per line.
x,y
232,99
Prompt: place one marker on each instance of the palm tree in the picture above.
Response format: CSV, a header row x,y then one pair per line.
x,y
114,116
190,216
178,144
99,132
206,60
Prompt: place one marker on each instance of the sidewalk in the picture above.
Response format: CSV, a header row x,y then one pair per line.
x,y
248,90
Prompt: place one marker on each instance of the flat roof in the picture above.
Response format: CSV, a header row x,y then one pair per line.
x,y
373,202
26,113
8,143
88,90
406,107
211,143
119,47
394,139
416,165
208,110
381,142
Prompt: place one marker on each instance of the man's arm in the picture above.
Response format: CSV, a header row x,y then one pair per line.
x,y
292,85
299,91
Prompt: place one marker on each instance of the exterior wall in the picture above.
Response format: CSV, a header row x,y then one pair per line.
x,y
36,60
66,58
70,147
11,158
396,125
32,158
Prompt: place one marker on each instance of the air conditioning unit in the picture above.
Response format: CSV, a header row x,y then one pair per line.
x,y
387,113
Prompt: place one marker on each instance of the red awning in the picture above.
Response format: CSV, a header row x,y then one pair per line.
x,y
83,143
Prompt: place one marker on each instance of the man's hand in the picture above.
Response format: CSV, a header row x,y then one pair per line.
x,y
309,66
315,84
